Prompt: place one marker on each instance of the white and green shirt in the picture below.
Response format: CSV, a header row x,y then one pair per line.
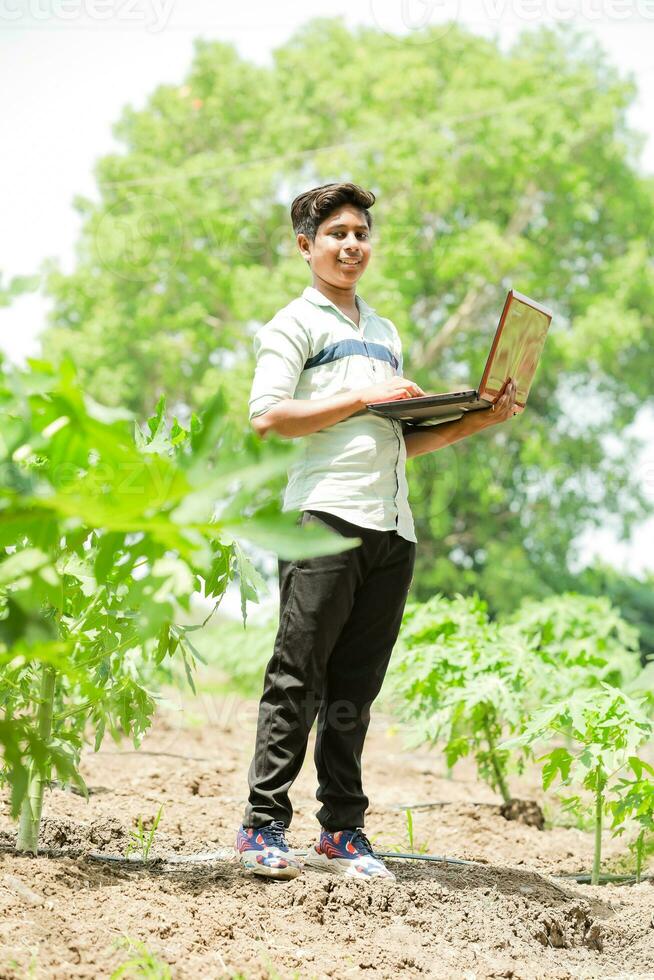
x,y
354,469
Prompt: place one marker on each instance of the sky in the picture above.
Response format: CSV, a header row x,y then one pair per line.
x,y
68,67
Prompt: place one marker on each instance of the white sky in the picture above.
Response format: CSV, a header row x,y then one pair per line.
x,y
67,67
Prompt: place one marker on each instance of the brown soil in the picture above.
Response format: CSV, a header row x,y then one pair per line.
x,y
61,915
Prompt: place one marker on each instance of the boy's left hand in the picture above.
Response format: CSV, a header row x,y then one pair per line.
x,y
505,407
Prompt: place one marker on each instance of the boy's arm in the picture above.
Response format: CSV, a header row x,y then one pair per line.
x,y
282,347
294,417
418,442
300,416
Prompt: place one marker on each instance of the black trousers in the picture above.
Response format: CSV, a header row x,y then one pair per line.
x,y
339,619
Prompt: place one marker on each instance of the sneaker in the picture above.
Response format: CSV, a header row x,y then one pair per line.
x,y
264,851
346,852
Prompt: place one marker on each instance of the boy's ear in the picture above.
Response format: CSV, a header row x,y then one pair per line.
x,y
303,245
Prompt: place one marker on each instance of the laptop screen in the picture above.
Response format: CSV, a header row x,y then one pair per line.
x,y
517,347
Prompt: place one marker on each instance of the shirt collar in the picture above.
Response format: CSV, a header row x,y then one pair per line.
x,y
319,299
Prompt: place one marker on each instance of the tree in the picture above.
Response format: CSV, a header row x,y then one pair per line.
x,y
492,169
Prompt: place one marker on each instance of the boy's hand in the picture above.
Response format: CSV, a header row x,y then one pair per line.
x,y
390,391
505,407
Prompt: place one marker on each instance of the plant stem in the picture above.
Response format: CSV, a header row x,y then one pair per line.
x,y
497,769
409,828
640,840
30,811
599,806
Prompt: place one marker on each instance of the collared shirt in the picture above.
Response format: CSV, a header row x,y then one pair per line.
x,y
355,468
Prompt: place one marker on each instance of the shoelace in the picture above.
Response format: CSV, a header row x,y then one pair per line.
x,y
361,842
276,833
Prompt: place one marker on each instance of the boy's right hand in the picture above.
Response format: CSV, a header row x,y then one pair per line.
x,y
390,391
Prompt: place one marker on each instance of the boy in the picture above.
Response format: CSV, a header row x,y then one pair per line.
x,y
320,362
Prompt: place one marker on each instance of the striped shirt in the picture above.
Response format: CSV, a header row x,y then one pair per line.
x,y
355,468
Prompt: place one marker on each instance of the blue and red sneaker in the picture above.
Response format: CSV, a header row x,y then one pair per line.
x,y
346,852
264,851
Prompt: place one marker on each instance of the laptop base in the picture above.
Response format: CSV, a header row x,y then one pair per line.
x,y
429,410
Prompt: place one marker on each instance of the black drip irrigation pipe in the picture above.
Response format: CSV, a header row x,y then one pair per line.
x,y
605,879
228,854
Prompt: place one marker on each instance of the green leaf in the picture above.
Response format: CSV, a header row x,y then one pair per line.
x,y
250,580
558,763
21,564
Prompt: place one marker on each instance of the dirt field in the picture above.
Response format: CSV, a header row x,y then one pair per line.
x,y
61,916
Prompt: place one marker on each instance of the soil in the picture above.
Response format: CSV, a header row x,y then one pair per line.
x,y
63,914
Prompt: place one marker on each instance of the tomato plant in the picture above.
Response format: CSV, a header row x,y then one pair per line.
x,y
602,727
465,681
107,528
636,801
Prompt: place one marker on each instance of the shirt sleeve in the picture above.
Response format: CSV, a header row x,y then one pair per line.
x,y
282,348
397,349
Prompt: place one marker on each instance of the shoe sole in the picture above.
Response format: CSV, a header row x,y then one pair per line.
x,y
320,862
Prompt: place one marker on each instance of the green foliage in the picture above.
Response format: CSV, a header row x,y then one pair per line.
x,y
16,287
634,597
462,680
583,638
492,167
603,729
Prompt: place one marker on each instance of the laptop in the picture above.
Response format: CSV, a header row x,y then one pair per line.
x,y
514,353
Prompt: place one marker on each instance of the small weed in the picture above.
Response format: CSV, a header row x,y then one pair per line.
x,y
25,974
420,848
143,965
412,846
142,840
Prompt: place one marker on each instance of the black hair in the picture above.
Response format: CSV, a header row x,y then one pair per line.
x,y
311,208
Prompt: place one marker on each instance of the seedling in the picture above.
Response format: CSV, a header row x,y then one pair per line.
x,y
413,848
603,727
420,849
142,840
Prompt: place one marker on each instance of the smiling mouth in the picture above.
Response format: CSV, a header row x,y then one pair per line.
x,y
350,261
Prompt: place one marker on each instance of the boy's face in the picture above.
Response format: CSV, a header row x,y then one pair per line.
x,y
341,250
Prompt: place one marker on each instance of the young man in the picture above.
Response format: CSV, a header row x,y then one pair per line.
x,y
320,362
